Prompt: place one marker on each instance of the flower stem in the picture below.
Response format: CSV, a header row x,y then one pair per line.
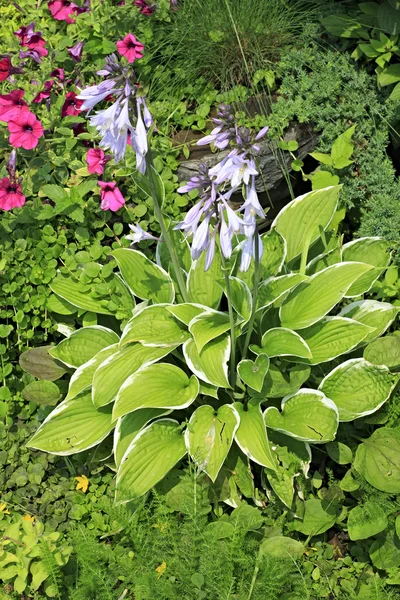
x,y
256,280
164,231
233,334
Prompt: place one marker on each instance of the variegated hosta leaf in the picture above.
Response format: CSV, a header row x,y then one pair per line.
x,y
153,452
308,416
358,388
333,336
155,326
156,386
240,296
211,364
71,291
253,373
129,426
313,299
114,371
83,376
251,435
144,278
379,315
276,288
207,326
202,286
280,341
301,221
278,384
371,250
209,437
384,351
186,311
322,261
75,425
83,345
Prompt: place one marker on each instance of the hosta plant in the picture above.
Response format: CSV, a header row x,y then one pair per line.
x,y
262,364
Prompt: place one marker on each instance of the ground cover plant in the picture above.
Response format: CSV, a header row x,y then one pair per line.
x,y
202,417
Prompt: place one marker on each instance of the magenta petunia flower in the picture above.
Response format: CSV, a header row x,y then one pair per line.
x,y
58,74
96,160
63,10
145,7
130,47
37,44
25,33
76,51
45,93
11,195
11,105
5,68
110,196
25,130
72,105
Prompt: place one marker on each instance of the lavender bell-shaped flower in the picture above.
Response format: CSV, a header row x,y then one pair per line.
x,y
76,51
139,234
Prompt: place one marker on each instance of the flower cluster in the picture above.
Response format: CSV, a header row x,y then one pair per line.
x,y
11,195
64,10
146,7
24,127
33,41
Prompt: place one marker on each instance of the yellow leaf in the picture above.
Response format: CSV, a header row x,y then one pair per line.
x,y
83,483
161,569
4,509
28,518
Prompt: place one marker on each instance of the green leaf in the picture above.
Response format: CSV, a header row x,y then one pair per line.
x,y
358,388
301,220
342,150
154,452
60,306
54,192
366,521
202,286
342,26
384,351
275,288
323,179
378,460
154,326
253,373
389,20
207,326
82,345
145,279
280,341
42,392
75,425
278,384
318,517
129,426
373,251
82,378
240,297
378,315
395,93
313,299
385,551
339,452
321,157
209,437
333,336
251,436
70,290
182,250
156,386
308,416
40,364
186,311
211,364
280,546
114,371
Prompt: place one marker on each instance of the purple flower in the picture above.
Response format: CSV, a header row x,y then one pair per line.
x,y
139,234
96,93
76,51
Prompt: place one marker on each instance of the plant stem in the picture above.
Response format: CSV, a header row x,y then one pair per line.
x,y
233,334
256,280
165,234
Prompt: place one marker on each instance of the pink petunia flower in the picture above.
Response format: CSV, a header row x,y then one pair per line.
x,y
110,196
25,33
25,130
96,160
130,47
11,105
145,7
72,105
37,44
58,74
45,93
11,195
62,10
5,68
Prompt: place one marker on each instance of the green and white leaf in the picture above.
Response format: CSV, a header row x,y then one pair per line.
x,y
379,315
274,289
384,351
278,384
186,311
71,291
371,250
280,341
253,373
251,435
155,326
207,326
82,378
240,297
320,262
211,364
202,285
82,345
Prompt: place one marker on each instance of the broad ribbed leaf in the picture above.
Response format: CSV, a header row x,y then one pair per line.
x,y
253,373
83,376
155,326
211,364
384,351
322,261
39,363
240,297
144,278
308,416
378,460
313,299
202,285
371,250
115,370
275,288
207,326
358,388
301,220
129,426
278,384
182,250
366,521
280,341
76,293
378,315
251,435
75,425
42,392
333,336
157,386
153,453
209,437
186,311
82,345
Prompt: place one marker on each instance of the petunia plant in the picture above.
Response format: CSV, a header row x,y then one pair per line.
x,y
226,364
